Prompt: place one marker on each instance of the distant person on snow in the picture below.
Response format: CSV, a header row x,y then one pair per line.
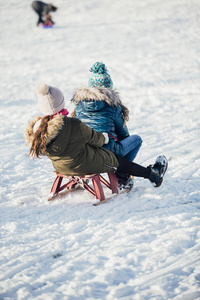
x,y
42,10
76,149
48,22
100,107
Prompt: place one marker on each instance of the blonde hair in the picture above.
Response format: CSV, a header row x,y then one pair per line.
x,y
39,141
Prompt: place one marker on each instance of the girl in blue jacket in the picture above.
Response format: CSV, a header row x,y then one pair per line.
x,y
100,107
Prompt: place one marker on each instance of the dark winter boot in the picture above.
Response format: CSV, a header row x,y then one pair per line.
x,y
158,170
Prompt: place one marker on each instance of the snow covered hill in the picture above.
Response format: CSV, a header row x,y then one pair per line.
x,y
145,244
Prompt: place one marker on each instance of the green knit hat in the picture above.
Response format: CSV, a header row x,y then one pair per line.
x,y
99,76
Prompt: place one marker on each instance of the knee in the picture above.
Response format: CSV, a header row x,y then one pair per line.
x,y
138,139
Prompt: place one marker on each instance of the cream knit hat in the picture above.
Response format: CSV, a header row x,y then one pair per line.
x,y
50,99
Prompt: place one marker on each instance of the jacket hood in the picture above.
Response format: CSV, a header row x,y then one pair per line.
x,y
93,94
111,97
54,126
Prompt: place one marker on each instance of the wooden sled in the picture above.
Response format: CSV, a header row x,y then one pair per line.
x,y
96,188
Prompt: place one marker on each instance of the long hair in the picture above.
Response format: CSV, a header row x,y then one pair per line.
x,y
40,140
125,112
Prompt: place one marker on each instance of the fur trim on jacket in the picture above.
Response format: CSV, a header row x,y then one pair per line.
x,y
54,126
111,97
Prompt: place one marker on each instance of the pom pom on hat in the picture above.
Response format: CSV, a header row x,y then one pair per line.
x,y
50,99
42,88
99,76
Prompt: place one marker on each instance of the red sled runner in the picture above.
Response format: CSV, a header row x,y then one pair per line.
x,y
95,188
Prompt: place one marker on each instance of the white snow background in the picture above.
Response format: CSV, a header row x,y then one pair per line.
x,y
141,245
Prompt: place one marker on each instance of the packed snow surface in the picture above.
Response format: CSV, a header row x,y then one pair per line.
x,y
141,245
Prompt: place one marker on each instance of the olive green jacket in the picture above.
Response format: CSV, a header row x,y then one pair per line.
x,y
73,147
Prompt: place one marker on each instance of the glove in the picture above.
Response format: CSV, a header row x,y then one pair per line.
x,y
106,137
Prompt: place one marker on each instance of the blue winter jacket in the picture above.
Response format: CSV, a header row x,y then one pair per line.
x,y
102,110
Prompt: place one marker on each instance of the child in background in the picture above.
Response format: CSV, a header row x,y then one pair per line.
x,y
42,9
48,22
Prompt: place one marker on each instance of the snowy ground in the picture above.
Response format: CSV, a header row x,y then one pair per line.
x,y
145,244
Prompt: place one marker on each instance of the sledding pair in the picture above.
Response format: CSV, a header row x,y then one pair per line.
x,y
43,11
95,139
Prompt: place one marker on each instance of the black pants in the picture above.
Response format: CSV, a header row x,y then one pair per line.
x,y
130,168
41,9
40,20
